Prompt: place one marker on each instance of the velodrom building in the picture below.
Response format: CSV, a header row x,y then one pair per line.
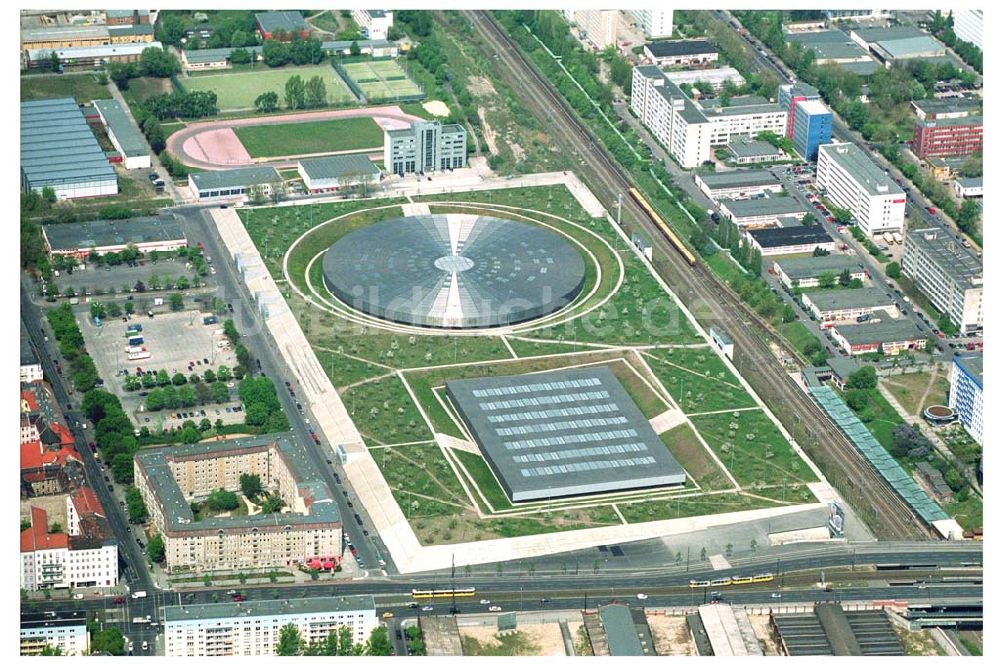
x,y
170,478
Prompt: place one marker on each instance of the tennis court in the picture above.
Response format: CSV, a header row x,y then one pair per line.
x,y
239,90
382,80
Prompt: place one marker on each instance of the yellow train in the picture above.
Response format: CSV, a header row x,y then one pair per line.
x,y
733,580
442,593
667,232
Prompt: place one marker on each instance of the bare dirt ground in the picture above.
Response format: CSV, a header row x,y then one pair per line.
x,y
480,86
760,628
55,506
670,635
488,133
547,638
436,107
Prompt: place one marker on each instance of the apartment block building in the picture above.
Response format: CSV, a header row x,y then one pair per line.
x,y
307,528
654,22
948,137
598,27
853,182
252,628
948,274
426,146
966,393
86,558
688,129
65,631
969,25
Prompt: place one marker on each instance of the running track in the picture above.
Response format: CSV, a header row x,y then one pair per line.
x,y
212,145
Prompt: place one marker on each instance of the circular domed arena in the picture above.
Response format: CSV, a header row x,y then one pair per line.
x,y
455,271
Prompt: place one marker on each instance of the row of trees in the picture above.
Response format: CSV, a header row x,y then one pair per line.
x,y
71,347
943,27
153,62
277,53
114,432
339,643
182,105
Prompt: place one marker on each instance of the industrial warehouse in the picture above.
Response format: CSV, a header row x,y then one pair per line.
x,y
146,234
59,151
563,433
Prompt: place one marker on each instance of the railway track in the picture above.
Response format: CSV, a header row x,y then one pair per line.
x,y
708,297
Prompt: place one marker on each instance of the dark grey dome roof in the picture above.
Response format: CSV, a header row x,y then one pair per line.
x,y
454,271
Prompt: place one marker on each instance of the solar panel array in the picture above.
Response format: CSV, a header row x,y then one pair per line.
x,y
877,456
563,433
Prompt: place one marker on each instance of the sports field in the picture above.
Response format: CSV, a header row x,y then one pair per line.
x,y
310,137
381,80
238,90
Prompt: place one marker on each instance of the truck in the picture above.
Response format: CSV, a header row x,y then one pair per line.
x,y
134,327
157,301
888,238
139,595
139,353
140,620
898,237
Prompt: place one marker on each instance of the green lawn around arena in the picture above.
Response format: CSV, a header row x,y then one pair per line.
x,y
310,137
238,90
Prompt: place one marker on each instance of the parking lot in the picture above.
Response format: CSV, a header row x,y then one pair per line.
x,y
122,279
178,342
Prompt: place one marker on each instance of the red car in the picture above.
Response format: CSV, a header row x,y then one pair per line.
x,y
119,600
830,219
932,210
201,246
237,597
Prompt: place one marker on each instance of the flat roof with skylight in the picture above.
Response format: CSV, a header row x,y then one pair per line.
x,y
563,433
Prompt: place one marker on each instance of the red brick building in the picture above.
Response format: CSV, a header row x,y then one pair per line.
x,y
948,137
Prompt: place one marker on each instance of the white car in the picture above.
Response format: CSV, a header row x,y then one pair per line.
x,y
775,595
484,602
427,609
641,597
145,645
130,646
77,597
495,609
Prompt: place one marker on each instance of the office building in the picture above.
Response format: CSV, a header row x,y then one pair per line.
x,y
308,526
839,305
949,108
598,27
881,333
87,558
332,173
948,274
257,181
744,151
253,628
426,146
965,396
671,53
745,116
969,25
853,182
948,137
969,187
655,23
789,95
806,271
813,127
374,23
792,240
59,150
66,631
750,213
734,184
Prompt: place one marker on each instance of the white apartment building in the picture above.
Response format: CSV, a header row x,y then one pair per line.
x,y
375,22
52,560
67,633
252,628
852,181
966,393
969,25
654,22
947,273
31,367
688,130
599,27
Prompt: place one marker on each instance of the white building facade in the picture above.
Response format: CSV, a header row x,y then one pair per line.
x,y
947,273
969,25
69,635
375,22
670,116
853,182
599,27
252,628
654,22
966,393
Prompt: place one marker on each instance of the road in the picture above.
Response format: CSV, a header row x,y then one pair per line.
x,y
708,296
199,228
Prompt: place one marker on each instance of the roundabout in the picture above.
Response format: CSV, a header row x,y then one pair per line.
x,y
455,271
